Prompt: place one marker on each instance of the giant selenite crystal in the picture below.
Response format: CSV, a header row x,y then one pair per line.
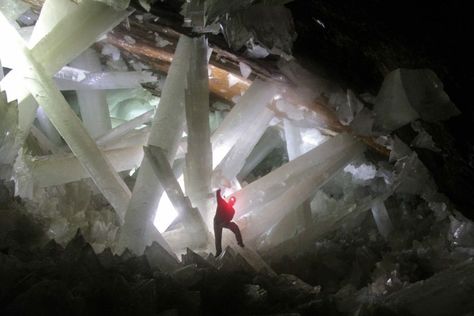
x,y
64,119
240,118
64,168
199,151
167,128
191,218
300,217
408,94
230,166
309,181
267,188
60,20
270,140
93,104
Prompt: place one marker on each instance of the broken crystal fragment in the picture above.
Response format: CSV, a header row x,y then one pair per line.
x,y
423,139
245,70
381,218
409,94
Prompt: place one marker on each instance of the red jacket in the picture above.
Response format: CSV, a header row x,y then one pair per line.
x,y
224,212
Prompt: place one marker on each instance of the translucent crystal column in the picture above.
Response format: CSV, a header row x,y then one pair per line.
x,y
301,217
66,122
270,140
167,128
235,159
64,168
240,118
381,218
62,21
47,127
191,218
125,128
199,152
258,193
100,80
93,103
260,220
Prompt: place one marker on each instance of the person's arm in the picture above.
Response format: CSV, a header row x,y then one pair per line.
x,y
220,200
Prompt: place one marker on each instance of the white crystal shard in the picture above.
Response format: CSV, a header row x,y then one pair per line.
x,y
64,119
260,220
105,80
199,150
112,51
93,104
408,94
398,149
191,218
347,106
245,70
269,141
235,159
239,118
381,218
267,188
47,127
299,218
71,74
118,132
392,106
423,139
161,42
167,128
362,172
64,168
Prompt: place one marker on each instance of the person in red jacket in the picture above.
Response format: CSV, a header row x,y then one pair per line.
x,y
223,218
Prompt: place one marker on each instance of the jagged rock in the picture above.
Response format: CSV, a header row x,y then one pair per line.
x,y
52,249
138,266
193,258
188,276
159,258
47,297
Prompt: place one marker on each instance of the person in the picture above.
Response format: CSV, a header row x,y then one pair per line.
x,y
223,219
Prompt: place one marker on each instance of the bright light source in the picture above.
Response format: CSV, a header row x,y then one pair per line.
x,y
166,213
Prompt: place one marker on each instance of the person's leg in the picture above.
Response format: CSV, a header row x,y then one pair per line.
x,y
235,229
218,237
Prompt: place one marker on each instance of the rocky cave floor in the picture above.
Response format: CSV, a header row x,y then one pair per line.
x,y
352,271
